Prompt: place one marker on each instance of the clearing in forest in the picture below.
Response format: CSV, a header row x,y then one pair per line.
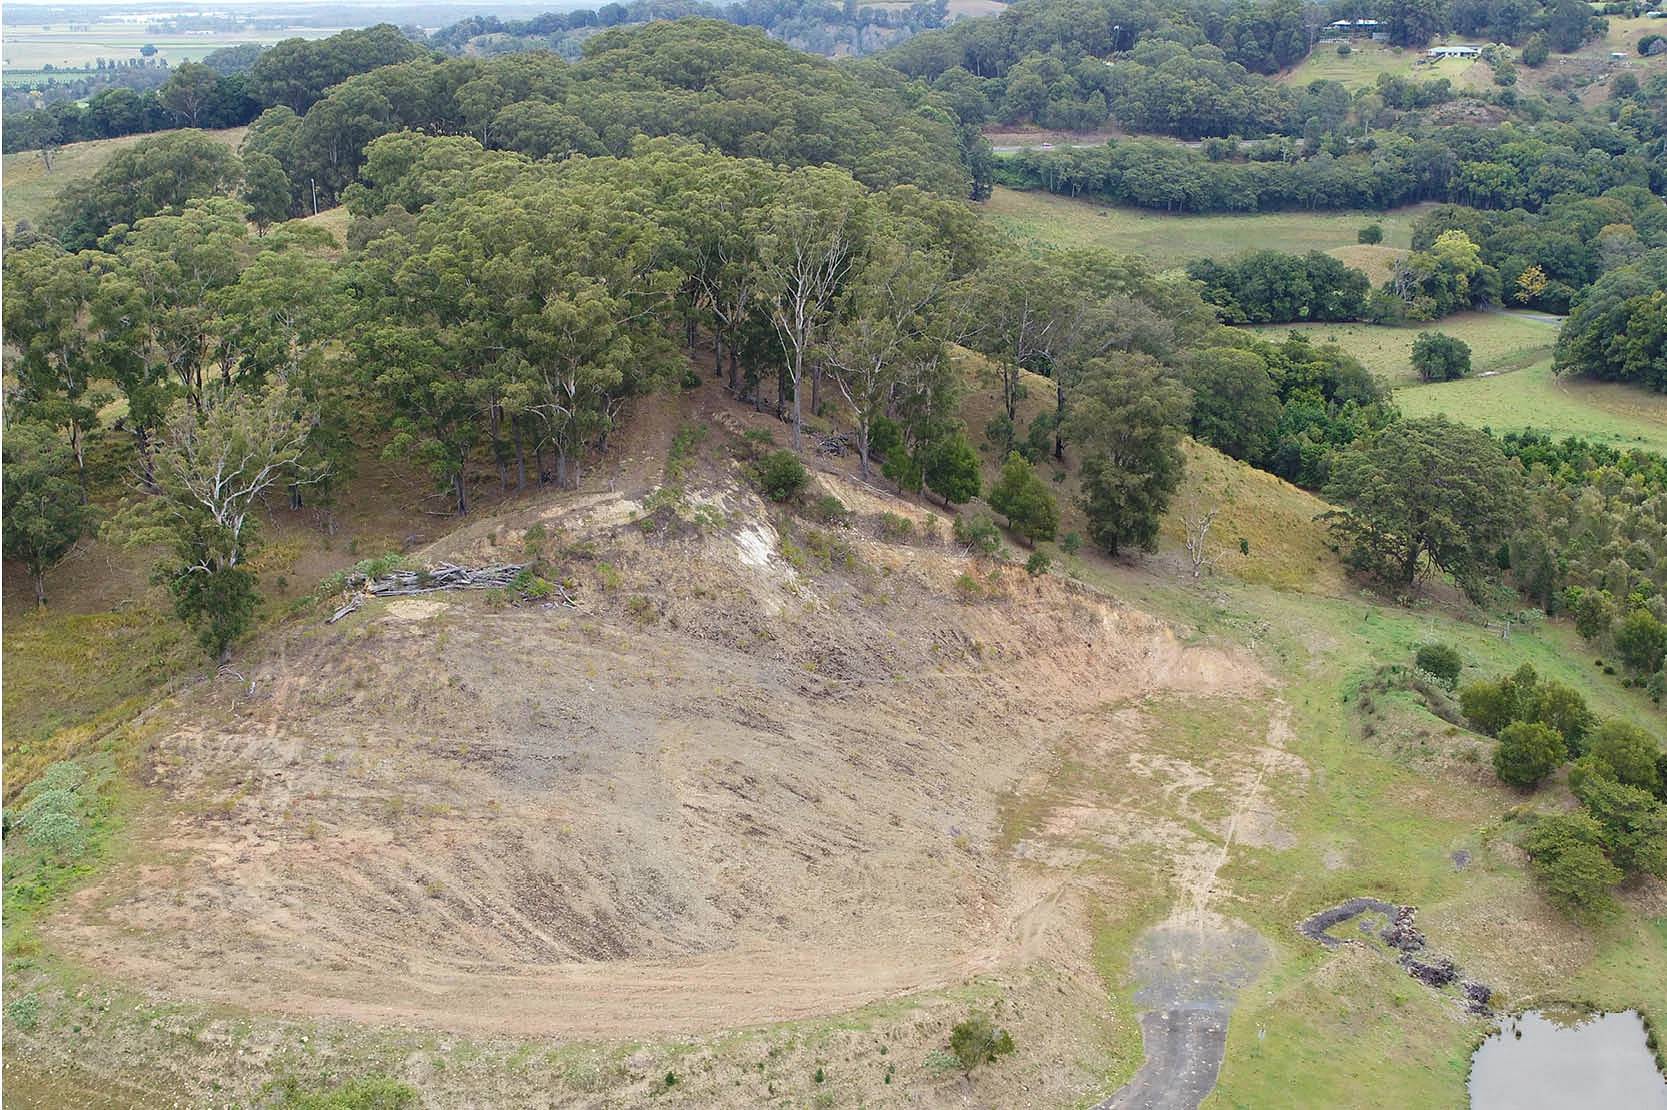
x,y
1605,412
27,188
1498,341
1168,239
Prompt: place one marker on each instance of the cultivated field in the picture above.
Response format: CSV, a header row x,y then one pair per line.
x,y
27,190
1170,240
30,47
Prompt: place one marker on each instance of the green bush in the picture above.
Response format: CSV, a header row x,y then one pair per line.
x,y
1442,661
1565,710
1371,234
1072,543
1528,751
896,528
1626,753
1641,642
371,1093
25,1011
978,532
1025,501
1038,564
977,1040
781,476
951,469
1634,824
1565,851
1490,706
828,509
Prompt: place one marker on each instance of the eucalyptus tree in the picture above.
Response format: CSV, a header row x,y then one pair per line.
x,y
812,238
892,316
48,296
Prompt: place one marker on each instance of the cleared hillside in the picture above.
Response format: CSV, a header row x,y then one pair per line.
x,y
28,188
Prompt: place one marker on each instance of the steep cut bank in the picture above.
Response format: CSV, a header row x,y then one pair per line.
x,y
756,775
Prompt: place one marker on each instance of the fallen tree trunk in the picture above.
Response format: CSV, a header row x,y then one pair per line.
x,y
450,576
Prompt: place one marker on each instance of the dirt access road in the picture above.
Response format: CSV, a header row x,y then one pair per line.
x,y
1191,969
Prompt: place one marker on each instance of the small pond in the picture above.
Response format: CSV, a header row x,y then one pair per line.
x,y
1545,1060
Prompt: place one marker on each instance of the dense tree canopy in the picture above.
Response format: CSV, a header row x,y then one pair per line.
x,y
1617,330
1425,494
1271,287
151,176
1127,422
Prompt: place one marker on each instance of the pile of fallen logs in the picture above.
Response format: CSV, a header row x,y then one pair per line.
x,y
443,576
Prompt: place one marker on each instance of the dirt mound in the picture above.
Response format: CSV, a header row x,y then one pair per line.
x,y
754,776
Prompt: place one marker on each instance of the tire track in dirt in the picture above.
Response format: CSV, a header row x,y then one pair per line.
x,y
1191,968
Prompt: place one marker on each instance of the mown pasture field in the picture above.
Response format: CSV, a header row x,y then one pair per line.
x,y
1171,239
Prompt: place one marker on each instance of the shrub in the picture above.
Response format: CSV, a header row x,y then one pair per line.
x,y
977,1041
1038,564
373,1093
1535,51
1566,854
781,476
978,532
1440,358
1371,234
1528,751
1486,706
951,469
1625,753
25,1011
1442,661
1565,710
968,588
896,528
1025,501
1634,824
1071,544
830,510
1343,51
1641,642
1594,612
1490,706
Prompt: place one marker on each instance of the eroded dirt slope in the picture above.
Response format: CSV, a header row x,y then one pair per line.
x,y
752,777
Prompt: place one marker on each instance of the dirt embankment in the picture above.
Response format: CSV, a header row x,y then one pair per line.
x,y
745,782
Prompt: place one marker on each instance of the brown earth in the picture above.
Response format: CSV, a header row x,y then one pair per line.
x,y
727,790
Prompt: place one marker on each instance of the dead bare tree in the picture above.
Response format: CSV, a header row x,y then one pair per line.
x,y
1195,525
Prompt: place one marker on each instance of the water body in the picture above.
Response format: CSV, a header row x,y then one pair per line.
x,y
1551,1061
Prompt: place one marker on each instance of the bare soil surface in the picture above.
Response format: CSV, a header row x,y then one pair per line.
x,y
745,782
